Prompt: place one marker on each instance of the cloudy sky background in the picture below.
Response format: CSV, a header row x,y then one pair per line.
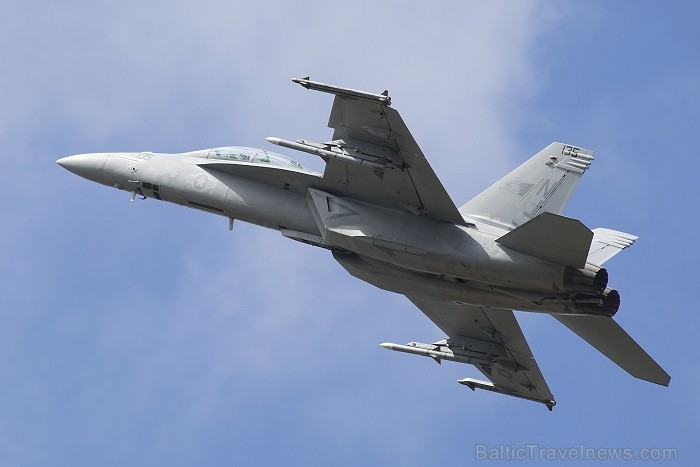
x,y
148,334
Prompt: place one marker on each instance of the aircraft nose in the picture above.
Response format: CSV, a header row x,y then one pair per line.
x,y
88,166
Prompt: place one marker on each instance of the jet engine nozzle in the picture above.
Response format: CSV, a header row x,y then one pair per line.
x,y
611,302
606,304
585,281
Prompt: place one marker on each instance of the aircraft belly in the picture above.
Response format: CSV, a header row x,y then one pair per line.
x,y
424,245
445,289
387,219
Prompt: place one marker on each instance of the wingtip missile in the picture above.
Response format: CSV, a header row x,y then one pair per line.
x,y
302,81
382,98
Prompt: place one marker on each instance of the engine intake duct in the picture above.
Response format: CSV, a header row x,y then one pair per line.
x,y
605,304
585,281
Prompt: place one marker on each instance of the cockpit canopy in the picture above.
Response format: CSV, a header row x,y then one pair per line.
x,y
253,155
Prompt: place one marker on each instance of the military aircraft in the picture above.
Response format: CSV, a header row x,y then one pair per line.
x,y
387,219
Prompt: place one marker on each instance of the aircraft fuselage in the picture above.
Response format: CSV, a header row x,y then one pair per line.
x,y
451,262
383,212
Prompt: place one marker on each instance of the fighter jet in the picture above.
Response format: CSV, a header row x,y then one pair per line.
x,y
384,215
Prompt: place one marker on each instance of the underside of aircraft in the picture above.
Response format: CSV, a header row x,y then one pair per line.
x,y
387,219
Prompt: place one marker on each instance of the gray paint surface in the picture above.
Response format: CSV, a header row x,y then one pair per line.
x,y
389,221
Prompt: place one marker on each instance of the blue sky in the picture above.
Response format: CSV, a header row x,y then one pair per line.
x,y
148,334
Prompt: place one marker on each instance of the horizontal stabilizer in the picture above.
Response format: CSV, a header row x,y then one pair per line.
x,y
607,243
474,384
611,340
555,238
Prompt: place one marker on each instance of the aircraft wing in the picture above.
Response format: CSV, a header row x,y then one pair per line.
x,y
379,161
511,367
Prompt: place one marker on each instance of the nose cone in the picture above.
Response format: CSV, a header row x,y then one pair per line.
x,y
88,166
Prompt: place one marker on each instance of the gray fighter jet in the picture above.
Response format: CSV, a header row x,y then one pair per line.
x,y
386,218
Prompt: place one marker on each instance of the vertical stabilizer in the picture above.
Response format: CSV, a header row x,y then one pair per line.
x,y
542,184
